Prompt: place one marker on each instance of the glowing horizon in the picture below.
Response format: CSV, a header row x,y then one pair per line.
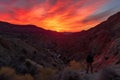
x,y
58,15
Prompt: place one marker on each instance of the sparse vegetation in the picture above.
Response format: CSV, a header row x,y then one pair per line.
x,y
24,51
68,74
5,43
74,65
7,73
46,73
109,74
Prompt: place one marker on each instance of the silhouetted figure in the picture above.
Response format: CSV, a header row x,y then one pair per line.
x,y
89,60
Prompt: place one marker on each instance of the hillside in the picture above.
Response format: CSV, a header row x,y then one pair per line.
x,y
29,49
74,45
13,49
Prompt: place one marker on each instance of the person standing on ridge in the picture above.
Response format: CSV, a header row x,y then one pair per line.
x,y
89,60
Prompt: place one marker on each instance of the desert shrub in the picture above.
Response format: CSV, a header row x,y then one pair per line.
x,y
21,58
68,75
118,62
35,52
45,74
25,68
5,43
7,73
74,65
24,51
109,74
23,77
21,68
30,68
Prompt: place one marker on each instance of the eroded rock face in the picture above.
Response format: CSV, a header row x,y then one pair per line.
x,y
110,56
114,50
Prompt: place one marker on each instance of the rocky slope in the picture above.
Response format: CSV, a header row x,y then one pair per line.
x,y
103,41
14,52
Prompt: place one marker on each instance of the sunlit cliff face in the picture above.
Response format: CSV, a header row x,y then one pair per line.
x,y
57,15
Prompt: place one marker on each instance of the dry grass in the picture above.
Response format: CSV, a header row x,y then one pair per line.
x,y
46,74
74,65
7,73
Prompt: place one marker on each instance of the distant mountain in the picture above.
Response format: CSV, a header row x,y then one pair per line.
x,y
23,29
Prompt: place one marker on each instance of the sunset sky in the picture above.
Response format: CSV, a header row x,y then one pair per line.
x,y
58,15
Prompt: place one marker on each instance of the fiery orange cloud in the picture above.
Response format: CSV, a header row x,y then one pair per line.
x,y
56,15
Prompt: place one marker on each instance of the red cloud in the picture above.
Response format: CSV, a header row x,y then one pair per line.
x,y
63,15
